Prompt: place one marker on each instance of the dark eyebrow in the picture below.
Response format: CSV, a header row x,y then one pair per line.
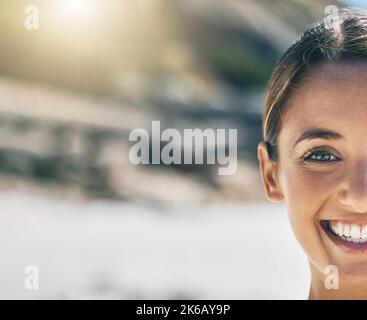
x,y
318,133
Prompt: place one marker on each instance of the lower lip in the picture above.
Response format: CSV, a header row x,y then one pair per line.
x,y
344,244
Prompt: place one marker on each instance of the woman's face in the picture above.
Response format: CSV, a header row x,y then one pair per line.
x,y
321,171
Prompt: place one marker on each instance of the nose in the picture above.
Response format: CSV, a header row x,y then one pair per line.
x,y
354,192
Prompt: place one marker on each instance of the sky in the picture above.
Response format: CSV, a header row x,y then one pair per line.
x,y
356,3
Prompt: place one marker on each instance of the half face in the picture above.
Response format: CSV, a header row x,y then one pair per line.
x,y
322,167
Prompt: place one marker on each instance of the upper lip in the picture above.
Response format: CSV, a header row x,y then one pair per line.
x,y
349,220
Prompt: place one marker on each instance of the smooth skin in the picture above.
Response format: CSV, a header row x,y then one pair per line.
x,y
331,98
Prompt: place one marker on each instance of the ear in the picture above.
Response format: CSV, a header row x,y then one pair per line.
x,y
268,171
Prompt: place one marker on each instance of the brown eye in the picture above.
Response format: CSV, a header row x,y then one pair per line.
x,y
320,156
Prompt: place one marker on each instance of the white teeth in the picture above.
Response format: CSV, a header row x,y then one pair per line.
x,y
364,232
347,232
335,229
355,232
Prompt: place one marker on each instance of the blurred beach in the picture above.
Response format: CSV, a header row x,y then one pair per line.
x,y
109,250
71,201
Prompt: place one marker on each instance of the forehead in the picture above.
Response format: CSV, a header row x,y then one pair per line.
x,y
332,96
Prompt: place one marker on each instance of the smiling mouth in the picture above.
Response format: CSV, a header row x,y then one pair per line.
x,y
350,236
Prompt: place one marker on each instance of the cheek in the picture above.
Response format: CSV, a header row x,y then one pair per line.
x,y
305,192
304,196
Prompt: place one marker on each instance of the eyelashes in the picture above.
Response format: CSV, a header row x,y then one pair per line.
x,y
320,155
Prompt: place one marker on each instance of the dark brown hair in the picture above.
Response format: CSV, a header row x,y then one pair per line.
x,y
340,38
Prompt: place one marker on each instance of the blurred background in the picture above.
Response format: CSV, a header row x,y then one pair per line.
x,y
100,227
